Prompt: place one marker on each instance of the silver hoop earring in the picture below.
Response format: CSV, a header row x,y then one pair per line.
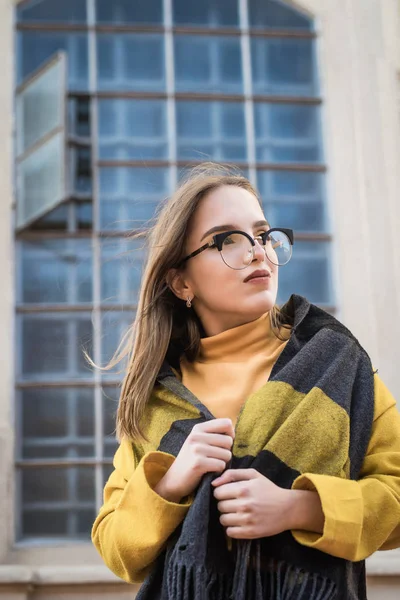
x,y
189,303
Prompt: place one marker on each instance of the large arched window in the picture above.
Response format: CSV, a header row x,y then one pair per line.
x,y
114,99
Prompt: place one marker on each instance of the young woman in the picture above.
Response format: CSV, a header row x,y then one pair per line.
x,y
260,453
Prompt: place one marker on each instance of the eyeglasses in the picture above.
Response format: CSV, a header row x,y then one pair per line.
x,y
237,248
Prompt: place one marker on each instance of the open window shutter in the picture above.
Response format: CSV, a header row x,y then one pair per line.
x,y
41,141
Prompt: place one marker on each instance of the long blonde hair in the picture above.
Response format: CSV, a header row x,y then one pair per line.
x,y
164,328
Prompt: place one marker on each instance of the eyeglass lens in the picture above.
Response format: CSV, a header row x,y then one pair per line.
x,y
237,250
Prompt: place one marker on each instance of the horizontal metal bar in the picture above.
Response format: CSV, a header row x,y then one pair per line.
x,y
66,383
191,163
61,308
37,463
122,234
310,236
195,96
178,30
70,383
57,506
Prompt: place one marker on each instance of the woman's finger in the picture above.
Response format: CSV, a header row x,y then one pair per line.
x,y
229,506
232,520
232,475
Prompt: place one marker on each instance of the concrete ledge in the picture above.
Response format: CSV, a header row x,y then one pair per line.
x,y
384,564
57,575
381,564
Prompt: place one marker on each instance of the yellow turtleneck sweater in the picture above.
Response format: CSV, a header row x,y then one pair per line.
x,y
232,365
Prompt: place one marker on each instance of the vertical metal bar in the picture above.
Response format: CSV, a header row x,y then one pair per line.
x,y
96,313
248,90
170,85
72,472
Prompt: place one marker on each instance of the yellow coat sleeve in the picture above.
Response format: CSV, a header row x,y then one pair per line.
x,y
134,522
362,516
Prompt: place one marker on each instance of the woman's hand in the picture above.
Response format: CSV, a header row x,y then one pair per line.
x,y
207,449
252,506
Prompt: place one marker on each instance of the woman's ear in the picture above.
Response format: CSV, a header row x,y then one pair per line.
x,y
178,284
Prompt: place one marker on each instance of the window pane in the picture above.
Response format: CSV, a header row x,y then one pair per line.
x,y
52,346
283,66
133,129
41,105
131,62
287,133
84,215
308,273
209,64
61,11
55,271
275,14
125,12
57,423
294,199
211,130
41,180
79,117
115,324
207,13
80,162
110,406
129,197
36,47
55,220
121,270
57,501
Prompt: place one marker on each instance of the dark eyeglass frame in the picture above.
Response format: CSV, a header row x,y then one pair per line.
x,y
218,240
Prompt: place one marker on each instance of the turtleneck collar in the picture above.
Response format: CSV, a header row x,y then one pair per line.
x,y
237,343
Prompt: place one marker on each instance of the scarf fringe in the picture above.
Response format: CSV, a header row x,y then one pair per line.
x,y
277,581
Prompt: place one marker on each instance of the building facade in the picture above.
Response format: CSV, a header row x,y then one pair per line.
x,y
104,106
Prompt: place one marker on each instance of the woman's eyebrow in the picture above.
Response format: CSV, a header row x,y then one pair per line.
x,y
232,227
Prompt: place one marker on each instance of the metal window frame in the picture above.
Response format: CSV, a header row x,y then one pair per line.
x,y
245,33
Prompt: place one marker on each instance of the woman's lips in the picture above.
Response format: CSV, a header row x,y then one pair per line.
x,y
259,275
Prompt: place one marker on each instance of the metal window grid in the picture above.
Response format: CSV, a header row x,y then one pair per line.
x,y
93,95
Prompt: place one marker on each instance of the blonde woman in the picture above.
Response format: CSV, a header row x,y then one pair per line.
x,y
259,453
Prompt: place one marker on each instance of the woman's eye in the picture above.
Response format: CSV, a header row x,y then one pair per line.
x,y
260,236
229,240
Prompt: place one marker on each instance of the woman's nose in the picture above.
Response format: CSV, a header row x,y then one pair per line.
x,y
258,251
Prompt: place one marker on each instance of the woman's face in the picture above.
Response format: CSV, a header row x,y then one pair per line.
x,y
223,297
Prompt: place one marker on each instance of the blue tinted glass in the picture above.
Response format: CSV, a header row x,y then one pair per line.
x,y
56,219
211,130
133,129
121,271
36,47
57,423
114,325
79,117
294,199
209,64
308,273
275,14
110,406
207,13
81,169
84,215
126,11
59,11
287,133
130,196
131,62
56,271
283,66
52,346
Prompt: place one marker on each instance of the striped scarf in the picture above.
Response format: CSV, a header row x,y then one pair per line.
x,y
313,415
